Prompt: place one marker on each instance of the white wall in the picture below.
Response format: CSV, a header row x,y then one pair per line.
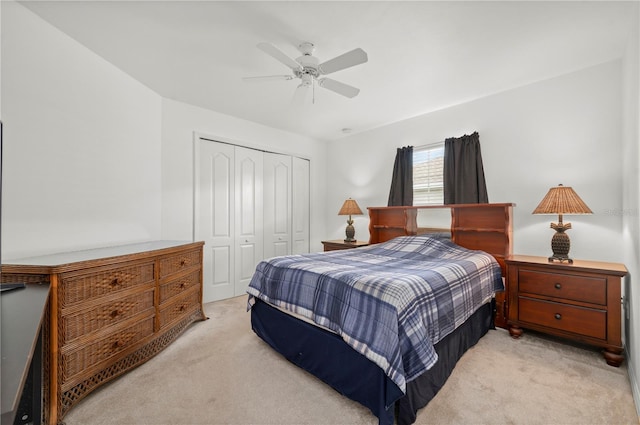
x,y
81,144
180,121
563,130
0,59
93,158
630,211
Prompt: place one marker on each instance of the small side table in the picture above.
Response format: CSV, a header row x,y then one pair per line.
x,y
337,244
578,301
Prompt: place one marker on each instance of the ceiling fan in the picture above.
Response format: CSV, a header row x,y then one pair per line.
x,y
309,69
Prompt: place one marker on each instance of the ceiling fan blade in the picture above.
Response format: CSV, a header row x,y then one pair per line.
x,y
269,78
277,54
338,87
346,60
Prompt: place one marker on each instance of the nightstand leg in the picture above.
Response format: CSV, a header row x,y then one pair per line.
x,y
515,331
613,356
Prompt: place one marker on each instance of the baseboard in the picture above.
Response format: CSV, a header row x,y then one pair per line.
x,y
635,390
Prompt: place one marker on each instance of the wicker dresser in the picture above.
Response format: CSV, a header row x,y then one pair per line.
x,y
111,309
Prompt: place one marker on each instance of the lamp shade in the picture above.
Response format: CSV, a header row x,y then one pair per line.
x,y
350,207
562,200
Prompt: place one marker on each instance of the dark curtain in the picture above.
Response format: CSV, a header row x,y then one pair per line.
x,y
401,193
463,172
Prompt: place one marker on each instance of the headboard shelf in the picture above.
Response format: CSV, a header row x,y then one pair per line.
x,y
478,229
486,227
384,226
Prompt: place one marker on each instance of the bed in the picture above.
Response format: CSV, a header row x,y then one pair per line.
x,y
384,325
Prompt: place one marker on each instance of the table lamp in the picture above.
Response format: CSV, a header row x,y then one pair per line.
x,y
350,207
561,200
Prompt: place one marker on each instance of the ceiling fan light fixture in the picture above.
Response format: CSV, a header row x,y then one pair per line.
x,y
307,80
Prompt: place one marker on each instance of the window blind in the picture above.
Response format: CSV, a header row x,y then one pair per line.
x,y
428,166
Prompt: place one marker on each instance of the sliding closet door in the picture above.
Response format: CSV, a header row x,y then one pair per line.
x,y
248,215
249,205
277,204
301,206
214,218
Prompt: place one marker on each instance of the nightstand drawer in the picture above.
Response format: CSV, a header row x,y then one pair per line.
x,y
583,321
566,286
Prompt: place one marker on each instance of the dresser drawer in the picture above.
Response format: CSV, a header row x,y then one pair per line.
x,y
84,322
175,287
179,262
583,321
77,360
76,288
587,289
181,307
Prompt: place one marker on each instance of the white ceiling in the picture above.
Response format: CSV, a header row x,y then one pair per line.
x,y
423,55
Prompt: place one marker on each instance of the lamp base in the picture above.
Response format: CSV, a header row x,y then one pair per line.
x,y
560,259
350,240
350,231
560,244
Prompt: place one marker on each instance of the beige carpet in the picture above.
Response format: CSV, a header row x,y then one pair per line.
x,y
220,372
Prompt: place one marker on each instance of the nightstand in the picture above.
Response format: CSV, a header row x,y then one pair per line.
x,y
337,244
579,301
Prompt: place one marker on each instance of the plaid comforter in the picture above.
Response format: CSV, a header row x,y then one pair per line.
x,y
391,301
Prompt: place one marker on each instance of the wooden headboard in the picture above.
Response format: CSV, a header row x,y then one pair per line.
x,y
486,227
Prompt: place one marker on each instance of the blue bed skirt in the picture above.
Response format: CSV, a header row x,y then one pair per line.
x,y
325,355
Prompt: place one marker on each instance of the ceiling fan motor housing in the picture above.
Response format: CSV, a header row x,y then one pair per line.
x,y
309,65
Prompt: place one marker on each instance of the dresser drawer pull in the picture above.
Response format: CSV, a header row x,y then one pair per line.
x,y
558,316
115,313
117,344
183,262
115,282
557,286
182,307
182,285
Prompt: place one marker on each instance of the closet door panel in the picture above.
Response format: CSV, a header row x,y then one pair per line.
x,y
301,205
277,204
214,221
221,259
248,213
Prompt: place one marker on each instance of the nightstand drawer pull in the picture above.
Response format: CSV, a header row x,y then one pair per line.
x,y
557,286
558,316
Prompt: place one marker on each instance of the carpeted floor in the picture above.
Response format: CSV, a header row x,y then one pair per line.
x,y
220,372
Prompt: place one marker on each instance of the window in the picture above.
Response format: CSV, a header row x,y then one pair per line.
x,y
428,166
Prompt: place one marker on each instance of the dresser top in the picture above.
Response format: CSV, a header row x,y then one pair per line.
x,y
577,265
58,259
